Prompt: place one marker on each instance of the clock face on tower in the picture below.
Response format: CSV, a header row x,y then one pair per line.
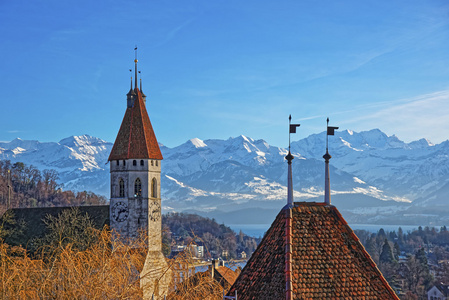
x,y
120,211
154,211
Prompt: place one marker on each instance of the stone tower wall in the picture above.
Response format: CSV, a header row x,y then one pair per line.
x,y
128,223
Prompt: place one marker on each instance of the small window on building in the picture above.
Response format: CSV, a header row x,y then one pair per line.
x,y
121,185
118,163
137,188
124,162
154,188
151,162
141,162
134,163
156,163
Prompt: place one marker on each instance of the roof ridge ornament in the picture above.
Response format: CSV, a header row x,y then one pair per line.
x,y
289,157
327,157
135,67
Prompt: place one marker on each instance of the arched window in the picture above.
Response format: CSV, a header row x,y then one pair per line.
x,y
121,186
117,162
156,163
151,162
137,188
154,188
134,163
124,162
141,162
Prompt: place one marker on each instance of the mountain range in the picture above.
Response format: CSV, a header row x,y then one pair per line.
x,y
375,178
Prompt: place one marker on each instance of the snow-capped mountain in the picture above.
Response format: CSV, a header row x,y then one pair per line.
x,y
374,177
79,160
407,170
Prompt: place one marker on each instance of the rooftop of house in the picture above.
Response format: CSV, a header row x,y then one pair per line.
x,y
311,251
444,289
227,274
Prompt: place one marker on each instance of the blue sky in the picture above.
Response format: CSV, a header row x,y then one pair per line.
x,y
218,69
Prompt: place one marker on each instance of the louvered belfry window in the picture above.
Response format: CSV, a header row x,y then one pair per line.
x,y
121,185
154,188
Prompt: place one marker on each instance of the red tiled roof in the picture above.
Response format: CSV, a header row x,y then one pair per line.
x,y
327,260
227,274
136,138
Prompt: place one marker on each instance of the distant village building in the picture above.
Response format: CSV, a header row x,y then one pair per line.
x,y
135,167
438,292
310,252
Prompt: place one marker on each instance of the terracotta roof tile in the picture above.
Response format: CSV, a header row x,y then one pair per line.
x,y
136,138
328,260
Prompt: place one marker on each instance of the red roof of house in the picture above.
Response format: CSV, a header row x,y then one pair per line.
x,y
227,274
136,138
310,250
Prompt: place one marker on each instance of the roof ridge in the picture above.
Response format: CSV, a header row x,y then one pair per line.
x,y
288,254
140,102
130,134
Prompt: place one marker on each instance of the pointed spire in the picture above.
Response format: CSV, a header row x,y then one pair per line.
x,y
141,91
131,96
327,187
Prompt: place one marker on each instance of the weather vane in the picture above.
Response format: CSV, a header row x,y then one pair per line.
x,y
292,129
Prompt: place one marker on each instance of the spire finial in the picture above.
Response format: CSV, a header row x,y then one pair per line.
x,y
327,135
289,157
289,124
327,157
135,67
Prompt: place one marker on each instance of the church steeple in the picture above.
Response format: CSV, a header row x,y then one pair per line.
x,y
135,204
136,138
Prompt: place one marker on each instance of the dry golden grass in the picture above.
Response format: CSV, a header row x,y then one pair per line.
x,y
107,269
189,285
99,272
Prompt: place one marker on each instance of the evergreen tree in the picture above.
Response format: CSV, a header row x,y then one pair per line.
x,y
400,236
386,256
421,259
396,251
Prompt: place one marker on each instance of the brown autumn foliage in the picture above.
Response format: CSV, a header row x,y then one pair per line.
x,y
105,269
99,272
25,186
191,285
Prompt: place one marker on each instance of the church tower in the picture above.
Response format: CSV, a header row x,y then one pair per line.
x,y
135,204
